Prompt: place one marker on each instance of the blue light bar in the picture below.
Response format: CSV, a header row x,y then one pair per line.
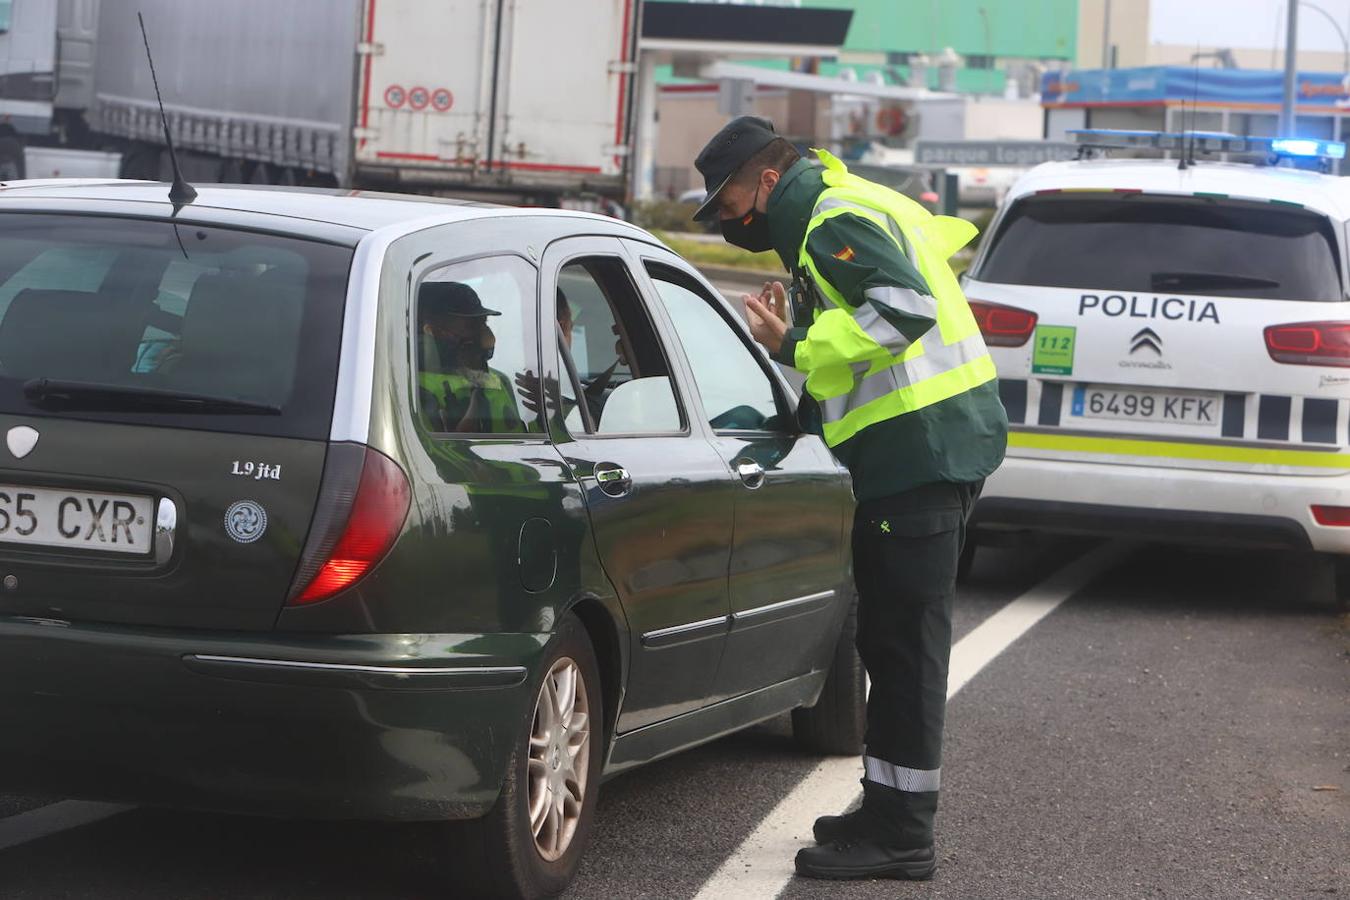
x,y
1306,147
1209,142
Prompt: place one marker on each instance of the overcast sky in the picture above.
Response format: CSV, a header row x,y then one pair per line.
x,y
1241,23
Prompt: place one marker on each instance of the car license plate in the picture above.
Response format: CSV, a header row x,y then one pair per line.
x,y
81,520
1176,407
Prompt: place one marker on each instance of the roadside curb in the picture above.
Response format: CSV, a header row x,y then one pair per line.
x,y
734,275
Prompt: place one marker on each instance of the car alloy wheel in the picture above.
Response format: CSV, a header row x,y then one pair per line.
x,y
559,763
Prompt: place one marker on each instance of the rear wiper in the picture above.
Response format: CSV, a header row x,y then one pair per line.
x,y
112,397
1200,281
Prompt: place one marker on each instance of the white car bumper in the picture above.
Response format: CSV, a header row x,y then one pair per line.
x,y
1161,503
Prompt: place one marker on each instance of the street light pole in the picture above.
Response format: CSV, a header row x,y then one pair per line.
x,y
1340,32
1106,35
1287,118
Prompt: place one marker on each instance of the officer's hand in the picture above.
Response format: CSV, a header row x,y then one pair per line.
x,y
468,424
527,385
765,325
774,298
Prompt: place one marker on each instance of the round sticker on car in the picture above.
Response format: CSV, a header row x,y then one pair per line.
x,y
245,521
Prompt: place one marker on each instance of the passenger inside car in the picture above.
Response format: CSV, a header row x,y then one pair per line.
x,y
528,384
460,392
607,346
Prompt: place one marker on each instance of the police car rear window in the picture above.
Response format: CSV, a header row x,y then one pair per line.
x,y
137,321
1166,245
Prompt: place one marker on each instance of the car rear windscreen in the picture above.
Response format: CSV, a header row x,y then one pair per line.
x,y
142,321
1166,245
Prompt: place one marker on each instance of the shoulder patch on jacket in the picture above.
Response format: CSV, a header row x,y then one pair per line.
x,y
846,254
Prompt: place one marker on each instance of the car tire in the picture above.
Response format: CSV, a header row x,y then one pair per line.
x,y
1315,581
11,159
1328,582
837,724
501,855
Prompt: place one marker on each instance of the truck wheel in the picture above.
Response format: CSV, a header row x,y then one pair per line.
x,y
141,162
531,842
837,724
232,171
11,159
282,175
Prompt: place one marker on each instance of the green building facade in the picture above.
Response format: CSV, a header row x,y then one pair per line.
x,y
987,34
997,29
990,36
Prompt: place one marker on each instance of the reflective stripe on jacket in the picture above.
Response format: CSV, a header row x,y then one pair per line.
x,y
860,366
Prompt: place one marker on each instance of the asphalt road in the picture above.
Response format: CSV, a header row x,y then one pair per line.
x,y
1179,727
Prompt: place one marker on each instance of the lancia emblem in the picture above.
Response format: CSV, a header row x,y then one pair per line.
x,y
21,440
245,521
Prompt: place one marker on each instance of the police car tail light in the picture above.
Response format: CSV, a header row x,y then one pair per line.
x,y
1332,515
1003,326
1310,343
360,514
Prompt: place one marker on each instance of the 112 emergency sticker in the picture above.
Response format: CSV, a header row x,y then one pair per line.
x,y
1052,352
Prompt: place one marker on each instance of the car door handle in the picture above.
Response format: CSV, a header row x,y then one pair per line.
x,y
166,530
751,472
613,480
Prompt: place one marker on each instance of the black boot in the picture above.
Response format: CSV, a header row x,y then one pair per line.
x,y
860,858
829,829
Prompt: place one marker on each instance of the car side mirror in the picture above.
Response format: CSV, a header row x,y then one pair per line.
x,y
809,420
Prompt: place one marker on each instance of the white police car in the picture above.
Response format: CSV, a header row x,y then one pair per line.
x,y
1173,343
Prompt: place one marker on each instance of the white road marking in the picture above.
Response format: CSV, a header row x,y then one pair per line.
x,y
762,865
53,819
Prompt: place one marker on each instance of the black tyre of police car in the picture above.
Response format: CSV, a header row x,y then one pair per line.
x,y
498,856
837,724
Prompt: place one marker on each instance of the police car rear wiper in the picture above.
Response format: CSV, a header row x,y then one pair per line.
x,y
1201,281
111,397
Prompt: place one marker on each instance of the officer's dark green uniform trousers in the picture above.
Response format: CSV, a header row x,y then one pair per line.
x,y
906,397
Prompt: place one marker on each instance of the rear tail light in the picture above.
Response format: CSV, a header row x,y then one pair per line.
x,y
1310,343
1003,326
363,502
1338,516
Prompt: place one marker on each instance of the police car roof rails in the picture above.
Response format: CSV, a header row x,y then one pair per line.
x,y
1267,150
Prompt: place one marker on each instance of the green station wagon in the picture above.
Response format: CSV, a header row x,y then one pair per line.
x,y
322,505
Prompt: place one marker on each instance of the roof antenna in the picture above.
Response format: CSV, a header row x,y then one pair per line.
x,y
1195,106
180,192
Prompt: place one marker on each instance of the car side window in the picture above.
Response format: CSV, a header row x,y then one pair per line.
x,y
611,353
736,391
474,347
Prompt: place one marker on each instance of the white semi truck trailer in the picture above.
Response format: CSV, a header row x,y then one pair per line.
x,y
527,100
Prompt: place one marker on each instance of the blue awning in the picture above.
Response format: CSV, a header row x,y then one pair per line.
x,y
1167,85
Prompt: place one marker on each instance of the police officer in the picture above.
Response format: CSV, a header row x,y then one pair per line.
x,y
460,393
901,386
